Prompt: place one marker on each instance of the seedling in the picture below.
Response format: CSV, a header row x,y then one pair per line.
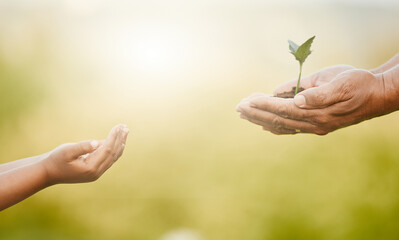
x,y
300,53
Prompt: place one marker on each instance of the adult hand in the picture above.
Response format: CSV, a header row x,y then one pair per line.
x,y
85,161
327,103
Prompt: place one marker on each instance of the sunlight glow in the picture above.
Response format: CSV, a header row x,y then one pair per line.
x,y
156,53
152,49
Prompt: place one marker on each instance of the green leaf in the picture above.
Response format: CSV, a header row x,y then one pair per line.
x,y
293,46
303,51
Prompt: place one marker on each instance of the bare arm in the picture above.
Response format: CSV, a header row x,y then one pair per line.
x,y
20,183
391,87
69,163
22,162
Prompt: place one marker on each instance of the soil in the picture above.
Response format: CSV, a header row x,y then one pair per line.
x,y
290,94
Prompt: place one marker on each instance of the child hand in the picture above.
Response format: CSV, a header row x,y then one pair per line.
x,y
85,161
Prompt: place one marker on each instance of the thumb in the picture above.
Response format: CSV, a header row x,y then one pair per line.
x,y
317,97
81,148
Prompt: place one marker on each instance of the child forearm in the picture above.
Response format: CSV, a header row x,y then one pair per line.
x,y
21,162
21,182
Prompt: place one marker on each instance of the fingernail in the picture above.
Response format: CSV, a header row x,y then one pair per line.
x,y
300,101
94,143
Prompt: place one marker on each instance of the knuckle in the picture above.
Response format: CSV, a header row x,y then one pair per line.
x,y
351,82
322,120
277,123
321,98
346,88
108,150
284,111
255,114
305,115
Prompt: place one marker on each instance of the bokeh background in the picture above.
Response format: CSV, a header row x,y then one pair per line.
x,y
192,169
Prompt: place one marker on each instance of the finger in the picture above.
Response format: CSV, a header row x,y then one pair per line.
x,y
117,149
247,98
125,134
322,96
116,144
85,156
75,150
283,107
106,149
113,136
268,127
277,123
121,142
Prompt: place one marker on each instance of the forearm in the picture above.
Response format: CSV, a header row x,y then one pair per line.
x,y
391,87
22,162
394,61
20,183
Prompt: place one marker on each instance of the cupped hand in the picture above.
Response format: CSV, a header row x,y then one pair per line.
x,y
85,161
327,103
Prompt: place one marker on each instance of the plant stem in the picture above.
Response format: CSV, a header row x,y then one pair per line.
x,y
299,78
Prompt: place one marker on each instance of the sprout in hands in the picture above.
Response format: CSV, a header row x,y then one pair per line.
x,y
300,53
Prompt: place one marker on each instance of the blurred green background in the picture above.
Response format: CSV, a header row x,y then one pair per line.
x,y
192,169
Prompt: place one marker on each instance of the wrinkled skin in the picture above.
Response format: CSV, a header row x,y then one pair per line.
x,y
333,98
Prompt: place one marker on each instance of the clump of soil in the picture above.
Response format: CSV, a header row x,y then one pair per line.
x,y
290,94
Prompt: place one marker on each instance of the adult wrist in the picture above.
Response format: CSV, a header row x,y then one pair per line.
x,y
390,84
